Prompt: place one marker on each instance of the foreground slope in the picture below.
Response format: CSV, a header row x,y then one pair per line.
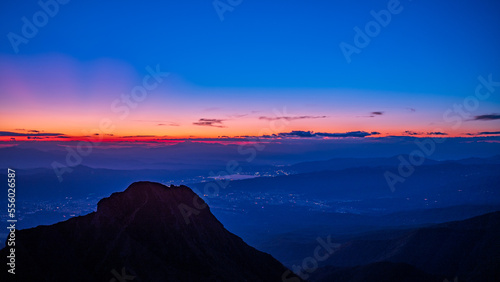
x,y
467,249
144,233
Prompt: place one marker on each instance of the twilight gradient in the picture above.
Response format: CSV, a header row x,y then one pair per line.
x,y
264,62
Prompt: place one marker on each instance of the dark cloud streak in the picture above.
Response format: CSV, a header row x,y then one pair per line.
x,y
210,122
489,133
409,132
9,133
309,134
487,117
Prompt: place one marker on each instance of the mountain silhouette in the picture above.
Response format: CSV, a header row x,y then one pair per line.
x,y
149,232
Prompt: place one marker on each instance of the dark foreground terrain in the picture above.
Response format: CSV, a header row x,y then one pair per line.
x,y
151,232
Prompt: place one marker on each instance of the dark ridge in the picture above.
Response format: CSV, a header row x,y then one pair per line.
x,y
468,249
144,232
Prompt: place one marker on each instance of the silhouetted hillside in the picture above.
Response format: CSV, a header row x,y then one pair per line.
x,y
378,271
142,232
468,249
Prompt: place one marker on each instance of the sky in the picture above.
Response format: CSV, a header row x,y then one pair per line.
x,y
237,68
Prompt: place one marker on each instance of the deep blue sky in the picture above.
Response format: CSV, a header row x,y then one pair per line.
x,y
431,46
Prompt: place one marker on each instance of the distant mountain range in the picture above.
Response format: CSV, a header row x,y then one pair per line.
x,y
354,178
442,184
344,163
149,232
